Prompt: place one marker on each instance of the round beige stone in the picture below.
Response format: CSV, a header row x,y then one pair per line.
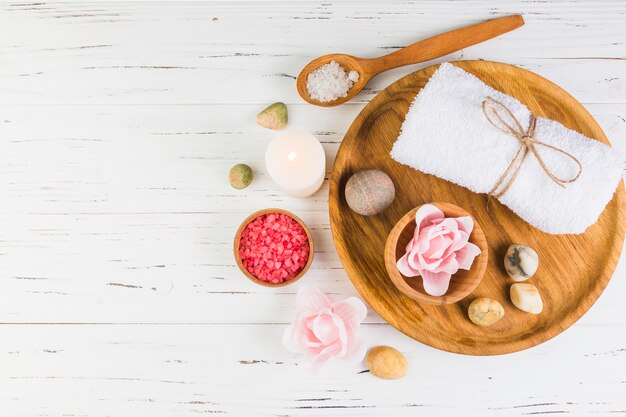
x,y
386,362
526,297
485,311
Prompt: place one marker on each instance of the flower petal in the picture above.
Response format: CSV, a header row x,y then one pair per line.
x,y
454,236
297,336
436,283
466,223
312,299
425,215
306,336
325,329
449,224
351,310
317,358
438,247
404,267
449,265
430,232
460,240
465,256
342,335
420,262
288,338
421,245
356,351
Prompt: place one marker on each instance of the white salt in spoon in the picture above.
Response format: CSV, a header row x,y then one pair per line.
x,y
425,50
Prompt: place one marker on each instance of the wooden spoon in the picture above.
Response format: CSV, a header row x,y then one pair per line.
x,y
430,48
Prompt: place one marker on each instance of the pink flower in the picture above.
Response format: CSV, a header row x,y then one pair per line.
x,y
323,329
439,248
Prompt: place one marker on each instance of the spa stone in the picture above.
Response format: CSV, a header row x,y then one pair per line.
x,y
521,262
369,192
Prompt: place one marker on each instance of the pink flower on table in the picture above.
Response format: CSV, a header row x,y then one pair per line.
x,y
439,248
323,329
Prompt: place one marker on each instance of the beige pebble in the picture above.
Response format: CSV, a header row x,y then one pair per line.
x,y
526,297
485,311
386,362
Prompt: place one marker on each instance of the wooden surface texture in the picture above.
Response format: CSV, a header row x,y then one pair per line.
x,y
119,295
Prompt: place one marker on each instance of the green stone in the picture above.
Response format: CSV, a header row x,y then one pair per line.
x,y
273,117
240,176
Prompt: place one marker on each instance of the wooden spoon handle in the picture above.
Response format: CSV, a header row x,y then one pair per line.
x,y
444,44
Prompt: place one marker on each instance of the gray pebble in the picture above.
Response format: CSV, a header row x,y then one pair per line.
x,y
369,192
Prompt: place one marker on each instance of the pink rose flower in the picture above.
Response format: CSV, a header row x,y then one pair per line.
x,y
439,248
323,329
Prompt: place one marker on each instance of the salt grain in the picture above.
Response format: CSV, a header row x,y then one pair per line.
x,y
330,82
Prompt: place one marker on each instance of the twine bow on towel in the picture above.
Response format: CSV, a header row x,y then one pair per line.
x,y
494,111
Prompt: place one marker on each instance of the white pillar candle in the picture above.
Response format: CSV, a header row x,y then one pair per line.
x,y
296,162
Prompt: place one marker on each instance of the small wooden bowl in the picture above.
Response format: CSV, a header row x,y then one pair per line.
x,y
461,284
238,241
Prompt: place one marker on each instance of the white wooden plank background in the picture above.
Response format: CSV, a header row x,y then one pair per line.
x,y
118,293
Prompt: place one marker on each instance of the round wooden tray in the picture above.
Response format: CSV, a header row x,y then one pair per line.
x,y
573,269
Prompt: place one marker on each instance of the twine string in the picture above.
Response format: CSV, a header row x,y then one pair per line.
x,y
496,112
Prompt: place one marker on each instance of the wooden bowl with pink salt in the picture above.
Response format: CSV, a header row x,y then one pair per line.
x,y
273,247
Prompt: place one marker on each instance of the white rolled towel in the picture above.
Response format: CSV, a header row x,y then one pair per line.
x,y
446,134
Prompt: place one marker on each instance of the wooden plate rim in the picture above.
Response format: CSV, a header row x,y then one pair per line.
x,y
510,347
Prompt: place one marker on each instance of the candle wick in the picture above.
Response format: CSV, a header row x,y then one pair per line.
x,y
292,156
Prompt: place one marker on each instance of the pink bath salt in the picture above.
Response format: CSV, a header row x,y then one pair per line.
x,y
274,248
